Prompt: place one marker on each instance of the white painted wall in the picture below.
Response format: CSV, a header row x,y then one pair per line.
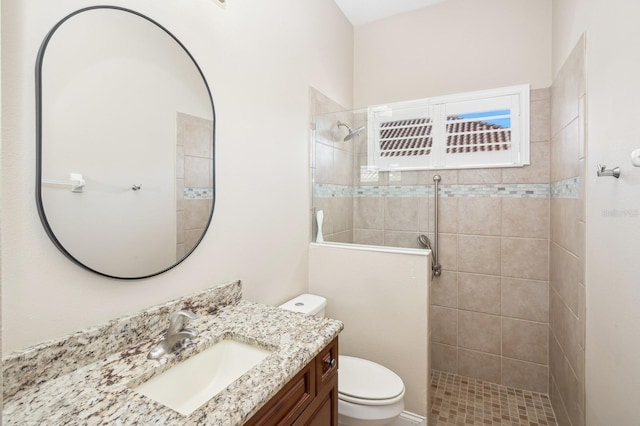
x,y
613,206
382,298
259,62
451,47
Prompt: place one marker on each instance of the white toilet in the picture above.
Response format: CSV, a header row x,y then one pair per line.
x,y
368,393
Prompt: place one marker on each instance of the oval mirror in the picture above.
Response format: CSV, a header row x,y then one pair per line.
x,y
125,143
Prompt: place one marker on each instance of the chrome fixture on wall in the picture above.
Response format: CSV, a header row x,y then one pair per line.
x,y
436,267
603,171
352,132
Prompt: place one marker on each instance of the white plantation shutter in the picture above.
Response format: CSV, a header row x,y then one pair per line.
x,y
469,130
403,136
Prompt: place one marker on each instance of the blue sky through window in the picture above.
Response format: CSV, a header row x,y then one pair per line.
x,y
504,122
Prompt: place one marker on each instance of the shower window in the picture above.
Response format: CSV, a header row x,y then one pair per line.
x,y
469,130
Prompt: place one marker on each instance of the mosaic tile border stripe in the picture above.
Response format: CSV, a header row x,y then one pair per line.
x,y
535,190
566,188
197,194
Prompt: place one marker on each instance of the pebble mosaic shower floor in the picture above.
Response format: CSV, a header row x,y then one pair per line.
x,y
462,401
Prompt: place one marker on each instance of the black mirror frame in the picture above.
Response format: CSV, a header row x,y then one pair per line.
x,y
38,187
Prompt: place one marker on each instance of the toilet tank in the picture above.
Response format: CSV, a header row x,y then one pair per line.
x,y
309,304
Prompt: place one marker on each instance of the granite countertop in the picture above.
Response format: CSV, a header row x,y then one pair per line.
x,y
99,392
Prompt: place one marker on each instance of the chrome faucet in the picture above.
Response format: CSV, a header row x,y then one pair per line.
x,y
177,335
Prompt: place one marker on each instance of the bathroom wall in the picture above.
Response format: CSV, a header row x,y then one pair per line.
x,y
612,62
259,63
489,314
382,298
453,46
567,247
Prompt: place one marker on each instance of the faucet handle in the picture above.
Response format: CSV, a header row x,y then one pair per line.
x,y
179,319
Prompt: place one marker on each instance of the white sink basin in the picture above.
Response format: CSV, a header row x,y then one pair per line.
x,y
187,386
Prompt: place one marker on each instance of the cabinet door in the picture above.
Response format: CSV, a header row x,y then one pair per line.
x,y
290,402
323,411
326,364
327,414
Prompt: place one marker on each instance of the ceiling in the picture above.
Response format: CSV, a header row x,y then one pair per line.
x,y
363,11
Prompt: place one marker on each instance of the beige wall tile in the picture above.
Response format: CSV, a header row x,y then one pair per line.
x,y
540,94
525,217
196,214
525,340
525,258
342,167
564,275
401,239
540,120
564,223
180,251
447,216
368,212
444,290
570,150
401,214
323,163
179,194
180,227
444,358
448,251
537,172
198,139
466,176
191,238
559,410
568,86
448,177
569,332
480,332
480,255
424,212
525,299
444,327
525,375
368,237
479,365
342,211
196,172
479,293
179,162
479,216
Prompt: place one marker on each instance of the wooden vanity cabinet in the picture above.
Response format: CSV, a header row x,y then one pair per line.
x,y
309,399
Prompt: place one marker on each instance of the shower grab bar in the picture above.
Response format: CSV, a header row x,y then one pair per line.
x,y
436,268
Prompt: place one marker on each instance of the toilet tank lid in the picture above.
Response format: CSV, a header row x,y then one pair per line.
x,y
309,304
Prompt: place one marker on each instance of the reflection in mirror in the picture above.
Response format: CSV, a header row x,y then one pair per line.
x,y
125,144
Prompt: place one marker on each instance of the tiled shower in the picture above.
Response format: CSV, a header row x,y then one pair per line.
x,y
194,180
509,306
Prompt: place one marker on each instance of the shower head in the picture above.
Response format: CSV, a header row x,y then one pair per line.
x,y
352,132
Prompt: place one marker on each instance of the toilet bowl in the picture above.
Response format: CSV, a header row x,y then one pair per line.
x,y
369,394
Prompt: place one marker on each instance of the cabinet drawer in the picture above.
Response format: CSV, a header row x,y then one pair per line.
x,y
290,402
326,364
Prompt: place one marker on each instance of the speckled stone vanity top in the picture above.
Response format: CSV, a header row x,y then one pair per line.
x,y
86,378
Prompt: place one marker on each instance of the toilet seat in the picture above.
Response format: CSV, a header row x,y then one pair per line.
x,y
364,382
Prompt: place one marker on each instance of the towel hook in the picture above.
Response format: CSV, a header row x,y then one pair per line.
x,y
603,171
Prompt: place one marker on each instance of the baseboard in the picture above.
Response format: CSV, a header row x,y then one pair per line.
x,y
409,419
